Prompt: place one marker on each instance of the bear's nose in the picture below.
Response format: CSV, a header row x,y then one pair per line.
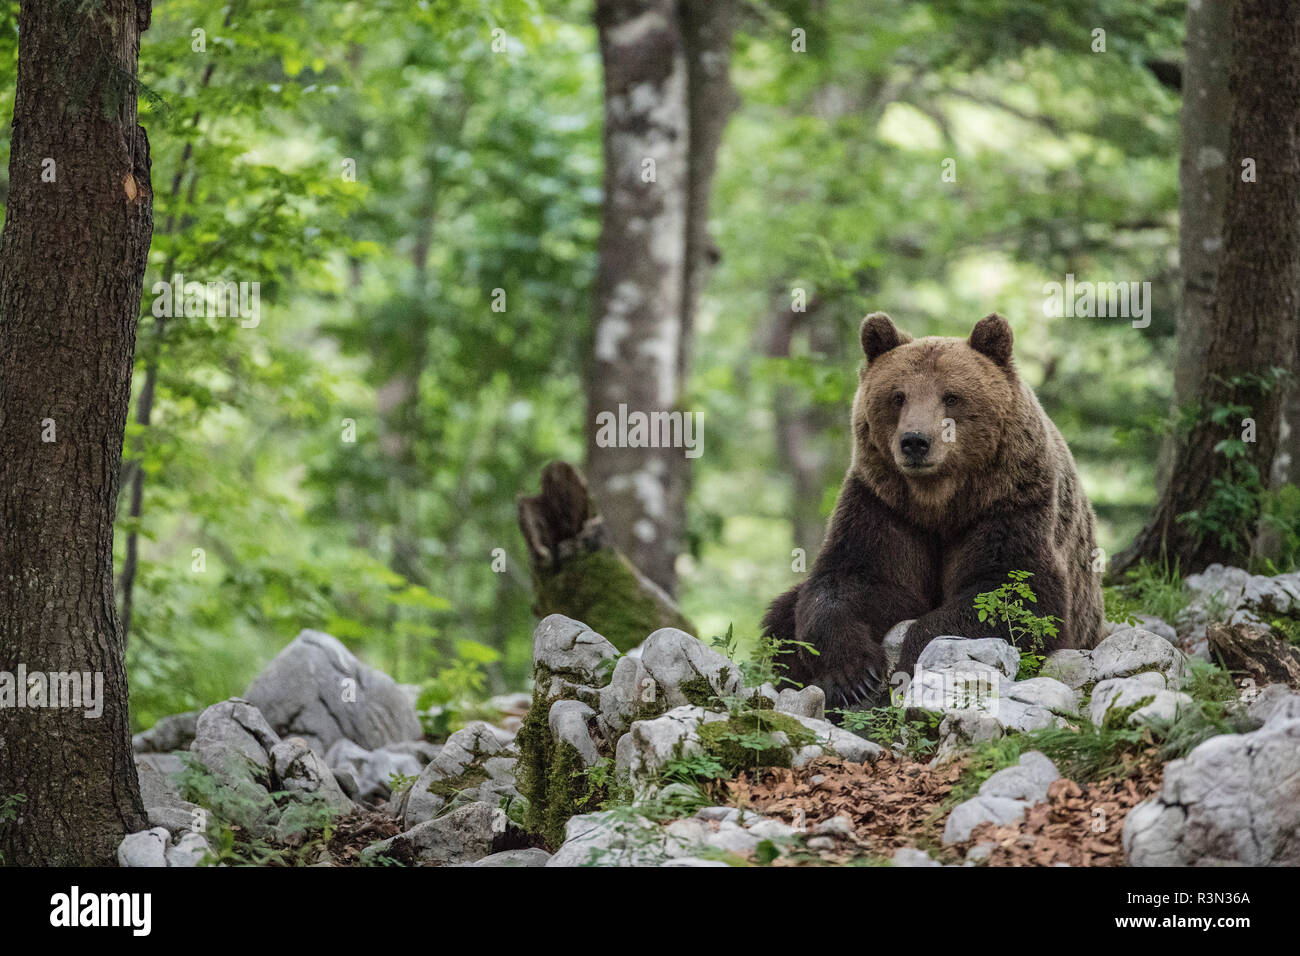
x,y
914,445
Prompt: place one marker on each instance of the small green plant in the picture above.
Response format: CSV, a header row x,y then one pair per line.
x,y
1150,588
1084,753
1119,607
1288,628
766,852
451,693
694,768
1233,507
1280,514
1027,630
882,725
304,830
299,828
888,725
1209,682
600,776
1031,665
604,787
399,783
9,806
763,665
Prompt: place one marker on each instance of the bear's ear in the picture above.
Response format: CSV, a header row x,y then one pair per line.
x,y
992,337
879,336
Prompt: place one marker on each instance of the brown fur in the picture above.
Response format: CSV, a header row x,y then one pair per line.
x,y
920,538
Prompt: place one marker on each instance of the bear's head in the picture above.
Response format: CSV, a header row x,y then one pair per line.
x,y
933,411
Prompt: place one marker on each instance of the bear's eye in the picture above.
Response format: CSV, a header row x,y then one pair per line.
x,y
899,399
950,400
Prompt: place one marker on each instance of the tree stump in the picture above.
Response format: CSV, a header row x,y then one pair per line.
x,y
577,570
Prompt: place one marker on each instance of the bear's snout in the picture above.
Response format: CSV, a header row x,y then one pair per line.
x,y
914,446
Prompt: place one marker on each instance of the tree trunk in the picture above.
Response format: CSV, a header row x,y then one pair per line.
x,y
801,427
1254,316
1271,542
577,570
707,28
1286,466
667,99
72,259
1204,178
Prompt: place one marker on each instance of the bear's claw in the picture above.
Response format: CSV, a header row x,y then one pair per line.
x,y
862,692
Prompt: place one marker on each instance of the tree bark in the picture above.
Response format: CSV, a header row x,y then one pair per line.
x,y
1271,539
1286,466
1204,178
707,28
72,260
667,100
1253,325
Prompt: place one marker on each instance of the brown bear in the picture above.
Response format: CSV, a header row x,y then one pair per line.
x,y
957,478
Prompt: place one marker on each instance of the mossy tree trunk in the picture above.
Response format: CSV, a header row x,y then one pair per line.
x,y
577,570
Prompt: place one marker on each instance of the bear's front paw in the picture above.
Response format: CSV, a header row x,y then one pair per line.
x,y
849,667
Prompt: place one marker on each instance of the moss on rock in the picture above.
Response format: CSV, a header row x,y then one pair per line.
x,y
746,740
566,789
550,776
449,787
698,691
1117,717
532,770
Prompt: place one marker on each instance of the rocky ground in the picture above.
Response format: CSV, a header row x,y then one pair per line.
x,y
1132,753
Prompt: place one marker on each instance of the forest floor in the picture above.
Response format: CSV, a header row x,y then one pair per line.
x,y
897,802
